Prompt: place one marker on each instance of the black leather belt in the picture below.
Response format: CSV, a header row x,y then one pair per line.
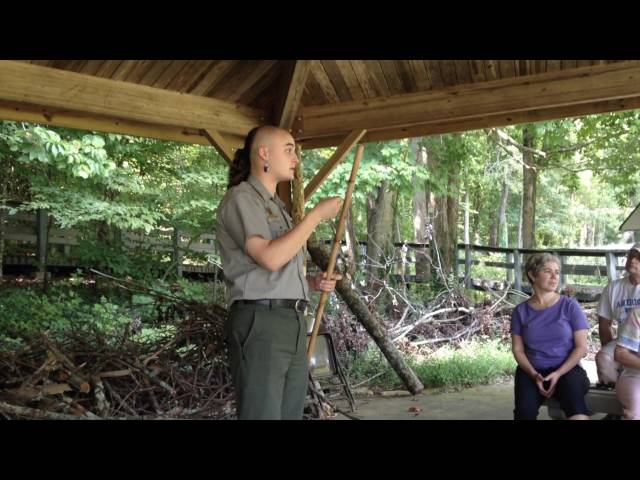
x,y
298,305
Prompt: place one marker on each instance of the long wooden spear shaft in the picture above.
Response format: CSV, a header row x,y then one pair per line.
x,y
334,250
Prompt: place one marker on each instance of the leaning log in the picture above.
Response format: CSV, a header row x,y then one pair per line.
x,y
344,288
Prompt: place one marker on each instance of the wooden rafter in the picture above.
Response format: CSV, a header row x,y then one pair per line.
x,y
291,90
221,145
251,79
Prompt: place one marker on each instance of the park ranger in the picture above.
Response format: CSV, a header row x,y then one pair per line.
x,y
267,291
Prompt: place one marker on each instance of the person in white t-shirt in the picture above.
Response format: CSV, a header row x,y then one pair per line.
x,y
619,299
628,354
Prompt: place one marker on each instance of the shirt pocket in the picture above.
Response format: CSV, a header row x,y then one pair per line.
x,y
277,227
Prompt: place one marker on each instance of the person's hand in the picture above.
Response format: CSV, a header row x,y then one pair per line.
x,y
551,381
540,382
324,285
328,208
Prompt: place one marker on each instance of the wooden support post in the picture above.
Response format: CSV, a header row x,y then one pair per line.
x,y
517,270
284,192
563,275
297,211
298,190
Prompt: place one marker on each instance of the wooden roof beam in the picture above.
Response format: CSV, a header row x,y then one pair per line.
x,y
488,121
585,85
48,87
66,118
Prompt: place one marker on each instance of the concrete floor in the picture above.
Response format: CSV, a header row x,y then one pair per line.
x,y
485,402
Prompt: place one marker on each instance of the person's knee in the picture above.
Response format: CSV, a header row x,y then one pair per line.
x,y
603,358
580,416
628,393
607,367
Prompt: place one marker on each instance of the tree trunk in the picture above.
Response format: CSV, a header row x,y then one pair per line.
x,y
371,323
466,215
529,187
519,244
589,235
446,230
420,213
453,206
380,236
582,241
445,215
475,223
493,229
501,230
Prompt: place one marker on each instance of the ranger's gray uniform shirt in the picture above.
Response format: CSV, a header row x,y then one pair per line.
x,y
246,210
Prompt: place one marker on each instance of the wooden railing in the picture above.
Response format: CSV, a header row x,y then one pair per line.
x,y
512,263
29,231
25,234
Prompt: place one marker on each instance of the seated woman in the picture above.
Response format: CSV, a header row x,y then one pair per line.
x,y
549,337
627,353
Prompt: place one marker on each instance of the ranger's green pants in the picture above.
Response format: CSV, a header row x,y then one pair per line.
x,y
267,355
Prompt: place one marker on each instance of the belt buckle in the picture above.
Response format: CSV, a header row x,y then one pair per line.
x,y
297,308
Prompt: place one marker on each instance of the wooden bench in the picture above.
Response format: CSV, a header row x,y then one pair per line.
x,y
600,399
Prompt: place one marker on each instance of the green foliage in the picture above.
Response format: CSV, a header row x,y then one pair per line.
x,y
82,157
25,313
473,363
382,162
142,263
111,184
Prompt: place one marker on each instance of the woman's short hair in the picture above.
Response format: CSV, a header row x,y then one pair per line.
x,y
536,262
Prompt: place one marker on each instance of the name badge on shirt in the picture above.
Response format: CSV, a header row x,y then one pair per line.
x,y
271,215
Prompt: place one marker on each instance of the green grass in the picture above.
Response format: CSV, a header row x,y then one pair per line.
x,y
477,362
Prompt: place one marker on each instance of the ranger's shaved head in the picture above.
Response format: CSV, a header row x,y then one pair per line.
x,y
266,136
